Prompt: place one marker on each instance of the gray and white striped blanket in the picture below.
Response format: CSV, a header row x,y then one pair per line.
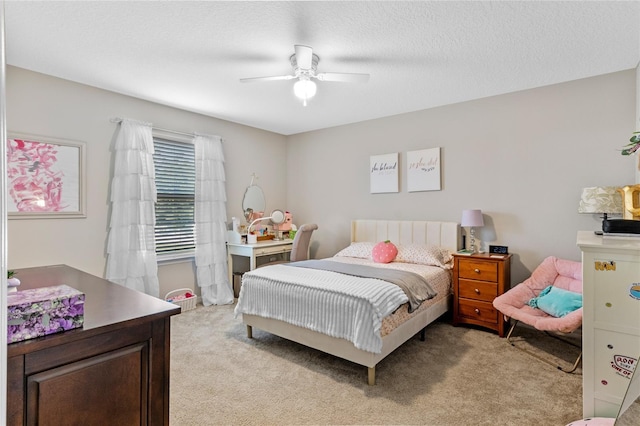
x,y
414,286
335,304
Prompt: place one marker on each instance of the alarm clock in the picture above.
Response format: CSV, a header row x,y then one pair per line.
x,y
499,249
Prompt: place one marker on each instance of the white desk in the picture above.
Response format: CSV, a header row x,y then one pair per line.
x,y
253,251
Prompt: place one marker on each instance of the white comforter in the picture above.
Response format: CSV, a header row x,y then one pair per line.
x,y
339,305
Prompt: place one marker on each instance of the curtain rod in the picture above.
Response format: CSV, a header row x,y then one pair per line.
x,y
119,120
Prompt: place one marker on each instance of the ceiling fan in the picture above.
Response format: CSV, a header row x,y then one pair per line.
x,y
305,67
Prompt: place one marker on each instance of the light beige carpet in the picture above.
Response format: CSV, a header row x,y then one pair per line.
x,y
458,376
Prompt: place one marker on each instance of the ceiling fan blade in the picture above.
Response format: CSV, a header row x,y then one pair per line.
x,y
304,56
343,77
273,78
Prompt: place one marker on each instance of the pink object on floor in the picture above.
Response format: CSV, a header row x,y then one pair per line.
x,y
594,421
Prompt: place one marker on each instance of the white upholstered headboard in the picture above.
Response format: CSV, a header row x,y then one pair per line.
x,y
443,234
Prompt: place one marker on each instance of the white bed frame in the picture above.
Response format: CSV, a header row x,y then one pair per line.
x,y
445,234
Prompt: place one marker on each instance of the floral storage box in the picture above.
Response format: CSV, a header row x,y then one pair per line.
x,y
40,311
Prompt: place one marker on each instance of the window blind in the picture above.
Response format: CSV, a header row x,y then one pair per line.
x,y
175,185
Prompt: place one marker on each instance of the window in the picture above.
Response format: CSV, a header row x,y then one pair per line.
x,y
175,185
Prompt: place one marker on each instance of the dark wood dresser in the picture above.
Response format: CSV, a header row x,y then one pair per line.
x,y
112,371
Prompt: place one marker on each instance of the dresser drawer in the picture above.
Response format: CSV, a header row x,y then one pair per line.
x,y
479,290
478,270
613,300
615,357
480,311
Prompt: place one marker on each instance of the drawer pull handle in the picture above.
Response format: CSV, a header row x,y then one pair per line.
x,y
477,311
477,271
477,291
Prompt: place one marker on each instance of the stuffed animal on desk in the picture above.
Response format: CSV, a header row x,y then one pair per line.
x,y
288,221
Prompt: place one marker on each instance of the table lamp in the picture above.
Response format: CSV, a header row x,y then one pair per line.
x,y
472,218
604,200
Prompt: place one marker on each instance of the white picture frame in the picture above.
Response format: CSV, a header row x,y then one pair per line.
x,y
383,173
423,170
45,177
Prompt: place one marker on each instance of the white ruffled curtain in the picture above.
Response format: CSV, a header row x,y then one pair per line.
x,y
211,218
131,247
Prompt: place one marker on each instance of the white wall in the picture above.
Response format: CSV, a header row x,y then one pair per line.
x,y
637,122
522,158
44,105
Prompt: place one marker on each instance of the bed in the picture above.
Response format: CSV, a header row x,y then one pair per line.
x,y
265,291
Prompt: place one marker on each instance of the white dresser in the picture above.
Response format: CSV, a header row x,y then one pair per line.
x,y
611,321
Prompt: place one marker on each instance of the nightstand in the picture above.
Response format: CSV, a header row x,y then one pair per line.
x,y
477,280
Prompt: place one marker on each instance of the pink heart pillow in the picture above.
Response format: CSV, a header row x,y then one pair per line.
x,y
384,252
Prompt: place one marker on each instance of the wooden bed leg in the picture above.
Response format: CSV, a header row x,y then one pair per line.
x,y
423,334
249,332
372,376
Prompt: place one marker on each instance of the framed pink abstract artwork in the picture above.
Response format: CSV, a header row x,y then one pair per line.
x,y
45,178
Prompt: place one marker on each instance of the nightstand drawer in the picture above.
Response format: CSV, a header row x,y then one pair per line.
x,y
480,311
479,290
478,270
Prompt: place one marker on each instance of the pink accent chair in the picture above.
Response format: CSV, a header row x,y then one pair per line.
x,y
564,274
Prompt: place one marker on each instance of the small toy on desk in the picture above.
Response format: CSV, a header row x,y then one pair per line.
x,y
288,221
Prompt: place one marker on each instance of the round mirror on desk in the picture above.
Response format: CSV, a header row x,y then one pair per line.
x,y
277,217
252,202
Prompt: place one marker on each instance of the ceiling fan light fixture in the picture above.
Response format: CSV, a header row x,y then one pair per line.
x,y
305,65
305,89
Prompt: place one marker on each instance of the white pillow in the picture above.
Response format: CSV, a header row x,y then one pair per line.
x,y
361,250
409,253
424,255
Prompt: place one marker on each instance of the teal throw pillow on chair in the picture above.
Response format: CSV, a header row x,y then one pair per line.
x,y
556,302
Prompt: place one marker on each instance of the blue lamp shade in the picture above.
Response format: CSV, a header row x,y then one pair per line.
x,y
472,218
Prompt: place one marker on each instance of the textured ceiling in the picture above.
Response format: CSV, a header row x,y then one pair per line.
x,y
419,54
